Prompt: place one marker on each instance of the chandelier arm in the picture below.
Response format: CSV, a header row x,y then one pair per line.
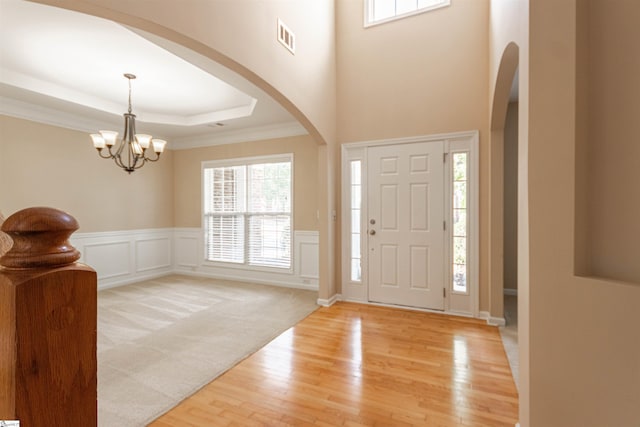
x,y
134,167
120,148
148,159
135,162
131,162
126,166
118,161
108,156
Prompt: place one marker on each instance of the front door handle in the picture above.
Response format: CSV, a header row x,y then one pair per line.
x,y
372,232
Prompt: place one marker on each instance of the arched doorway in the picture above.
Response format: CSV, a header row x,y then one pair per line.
x,y
504,83
504,201
157,22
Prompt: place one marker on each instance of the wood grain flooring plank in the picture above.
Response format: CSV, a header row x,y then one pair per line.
x,y
361,365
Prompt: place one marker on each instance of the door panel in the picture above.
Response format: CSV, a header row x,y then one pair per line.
x,y
406,212
389,207
389,269
419,268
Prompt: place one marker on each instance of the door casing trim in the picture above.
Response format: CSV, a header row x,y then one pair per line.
x,y
466,305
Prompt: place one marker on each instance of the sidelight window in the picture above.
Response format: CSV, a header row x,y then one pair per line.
x,y
460,212
356,216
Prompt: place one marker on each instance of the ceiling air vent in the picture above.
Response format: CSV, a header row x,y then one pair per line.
x,y
286,37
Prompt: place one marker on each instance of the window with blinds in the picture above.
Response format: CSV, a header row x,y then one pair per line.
x,y
247,211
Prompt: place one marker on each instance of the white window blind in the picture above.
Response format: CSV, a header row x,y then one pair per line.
x,y
247,212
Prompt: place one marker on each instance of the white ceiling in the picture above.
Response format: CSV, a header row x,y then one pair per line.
x,y
66,68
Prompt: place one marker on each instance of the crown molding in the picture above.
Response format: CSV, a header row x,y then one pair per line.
x,y
49,116
279,130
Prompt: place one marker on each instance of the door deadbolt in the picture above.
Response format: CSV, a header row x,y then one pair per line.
x,y
372,221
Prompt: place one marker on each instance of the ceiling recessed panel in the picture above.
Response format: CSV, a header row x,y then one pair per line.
x,y
82,59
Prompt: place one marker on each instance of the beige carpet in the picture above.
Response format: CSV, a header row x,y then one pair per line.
x,y
161,340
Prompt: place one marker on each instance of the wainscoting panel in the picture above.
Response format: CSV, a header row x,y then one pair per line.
x,y
122,257
109,259
186,248
153,254
307,254
189,259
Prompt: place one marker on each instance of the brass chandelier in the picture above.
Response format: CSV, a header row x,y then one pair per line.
x,y
131,151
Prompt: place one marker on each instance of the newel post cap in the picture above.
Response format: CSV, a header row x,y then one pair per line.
x,y
40,239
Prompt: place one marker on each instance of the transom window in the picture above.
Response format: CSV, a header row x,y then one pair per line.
x,y
247,211
380,11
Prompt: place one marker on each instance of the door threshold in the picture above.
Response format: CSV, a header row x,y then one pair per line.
x,y
410,308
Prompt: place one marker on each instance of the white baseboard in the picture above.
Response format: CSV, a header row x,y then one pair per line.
x,y
329,302
509,291
242,278
494,321
402,307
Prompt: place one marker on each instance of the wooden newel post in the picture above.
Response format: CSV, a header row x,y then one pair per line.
x,y
48,369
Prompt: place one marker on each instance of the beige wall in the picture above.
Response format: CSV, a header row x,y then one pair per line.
x,y
421,75
67,174
42,165
612,140
188,181
583,333
511,197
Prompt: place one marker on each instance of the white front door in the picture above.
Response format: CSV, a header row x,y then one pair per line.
x,y
405,224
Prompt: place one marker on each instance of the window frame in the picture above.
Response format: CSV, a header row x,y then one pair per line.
x,y
370,22
352,232
467,209
247,161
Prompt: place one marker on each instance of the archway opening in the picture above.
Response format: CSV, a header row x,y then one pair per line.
x,y
503,252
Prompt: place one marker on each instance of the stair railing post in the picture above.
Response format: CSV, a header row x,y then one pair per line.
x,y
48,321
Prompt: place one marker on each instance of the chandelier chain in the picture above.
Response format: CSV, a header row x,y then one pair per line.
x,y
129,78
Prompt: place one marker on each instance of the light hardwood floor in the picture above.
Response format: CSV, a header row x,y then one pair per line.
x,y
360,365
